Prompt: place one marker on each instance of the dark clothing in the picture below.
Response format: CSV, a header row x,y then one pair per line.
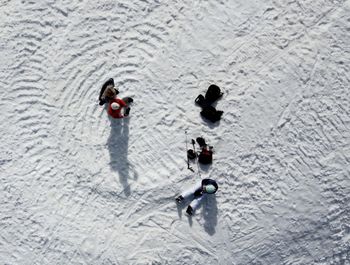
x,y
102,99
206,156
208,111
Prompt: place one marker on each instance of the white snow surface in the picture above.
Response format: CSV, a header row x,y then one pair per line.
x,y
79,188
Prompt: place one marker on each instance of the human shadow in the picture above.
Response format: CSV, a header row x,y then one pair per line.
x,y
210,124
118,150
204,167
210,213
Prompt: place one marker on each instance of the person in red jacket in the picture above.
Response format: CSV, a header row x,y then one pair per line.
x,y
119,108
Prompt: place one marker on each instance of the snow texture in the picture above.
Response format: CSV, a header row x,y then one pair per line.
x,y
79,188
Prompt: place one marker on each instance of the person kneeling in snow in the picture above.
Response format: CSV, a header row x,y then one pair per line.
x,y
196,194
119,108
206,155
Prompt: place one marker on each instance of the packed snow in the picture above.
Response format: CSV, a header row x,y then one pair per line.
x,y
78,187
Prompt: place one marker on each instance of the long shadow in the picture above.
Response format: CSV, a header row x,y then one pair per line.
x,y
210,214
118,150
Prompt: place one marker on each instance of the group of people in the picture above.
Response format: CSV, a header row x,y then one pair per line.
x,y
120,108
206,186
194,195
117,107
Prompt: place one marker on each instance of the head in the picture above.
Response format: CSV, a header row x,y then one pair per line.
x,y
210,189
110,92
115,106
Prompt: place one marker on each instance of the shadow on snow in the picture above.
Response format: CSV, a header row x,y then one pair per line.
x,y
209,212
118,151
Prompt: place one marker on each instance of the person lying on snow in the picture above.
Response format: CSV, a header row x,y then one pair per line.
x,y
119,108
196,193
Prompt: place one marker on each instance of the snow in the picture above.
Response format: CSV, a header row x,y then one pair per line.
x,y
79,188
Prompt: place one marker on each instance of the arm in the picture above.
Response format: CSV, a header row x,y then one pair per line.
x,y
121,103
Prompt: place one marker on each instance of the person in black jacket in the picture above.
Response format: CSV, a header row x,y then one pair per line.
x,y
196,194
209,112
108,92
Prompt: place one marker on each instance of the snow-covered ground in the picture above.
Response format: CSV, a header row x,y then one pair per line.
x,y
78,188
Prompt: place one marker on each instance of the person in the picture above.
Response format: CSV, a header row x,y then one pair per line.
x,y
108,92
119,108
209,112
206,154
196,193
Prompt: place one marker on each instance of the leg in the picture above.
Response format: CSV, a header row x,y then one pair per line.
x,y
189,193
194,205
196,202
